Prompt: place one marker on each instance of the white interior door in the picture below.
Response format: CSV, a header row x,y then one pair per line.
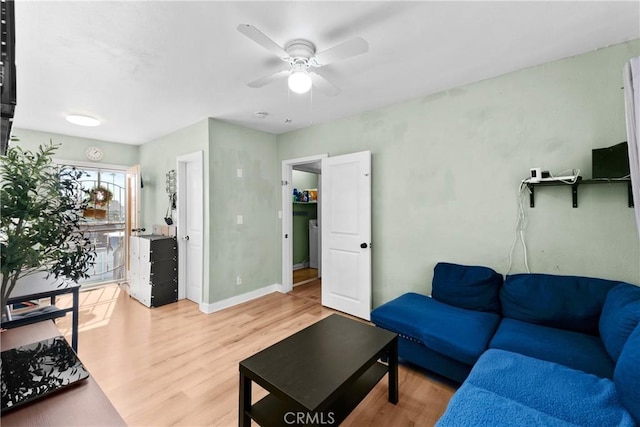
x,y
190,226
346,233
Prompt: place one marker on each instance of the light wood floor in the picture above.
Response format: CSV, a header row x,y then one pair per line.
x,y
310,291
174,365
302,275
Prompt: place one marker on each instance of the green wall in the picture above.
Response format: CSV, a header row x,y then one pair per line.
x,y
446,170
250,250
302,213
72,148
158,157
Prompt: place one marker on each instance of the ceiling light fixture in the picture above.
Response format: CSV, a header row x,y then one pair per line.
x,y
299,82
81,120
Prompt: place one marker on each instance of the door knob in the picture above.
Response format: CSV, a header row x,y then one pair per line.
x,y
363,245
186,237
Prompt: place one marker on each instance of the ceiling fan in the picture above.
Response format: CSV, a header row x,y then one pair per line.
x,y
301,55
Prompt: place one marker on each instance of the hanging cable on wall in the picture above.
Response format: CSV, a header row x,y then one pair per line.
x,y
520,227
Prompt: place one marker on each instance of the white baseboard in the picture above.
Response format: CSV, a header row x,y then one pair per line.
x,y
239,299
301,265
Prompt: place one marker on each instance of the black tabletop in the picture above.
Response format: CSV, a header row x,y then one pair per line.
x,y
311,365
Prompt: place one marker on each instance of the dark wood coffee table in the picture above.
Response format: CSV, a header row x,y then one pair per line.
x,y
318,375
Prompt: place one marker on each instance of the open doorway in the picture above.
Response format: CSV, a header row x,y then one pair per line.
x,y
301,222
304,229
344,229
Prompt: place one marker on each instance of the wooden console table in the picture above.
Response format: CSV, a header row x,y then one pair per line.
x,y
83,404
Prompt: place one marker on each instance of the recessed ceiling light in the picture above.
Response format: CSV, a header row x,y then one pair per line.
x,y
260,114
81,120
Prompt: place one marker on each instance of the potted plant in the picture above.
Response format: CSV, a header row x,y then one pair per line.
x,y
41,216
98,197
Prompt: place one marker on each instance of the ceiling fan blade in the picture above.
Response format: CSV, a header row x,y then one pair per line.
x,y
324,85
270,78
344,50
258,36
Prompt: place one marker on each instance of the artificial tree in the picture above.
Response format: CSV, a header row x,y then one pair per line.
x,y
40,220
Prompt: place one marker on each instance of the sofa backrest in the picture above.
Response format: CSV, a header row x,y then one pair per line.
x,y
620,316
565,302
627,375
471,287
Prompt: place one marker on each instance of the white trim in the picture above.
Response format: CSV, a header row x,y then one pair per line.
x,y
300,266
304,282
239,299
181,161
287,216
91,165
191,157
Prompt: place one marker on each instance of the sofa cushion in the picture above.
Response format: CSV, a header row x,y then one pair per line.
x,y
506,388
470,287
627,375
573,349
452,331
475,406
565,302
620,316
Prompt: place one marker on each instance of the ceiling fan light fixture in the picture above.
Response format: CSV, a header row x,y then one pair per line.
x,y
299,82
81,120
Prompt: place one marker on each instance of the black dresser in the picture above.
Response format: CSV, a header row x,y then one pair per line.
x,y
153,269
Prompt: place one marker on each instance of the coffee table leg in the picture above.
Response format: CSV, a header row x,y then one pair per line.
x,y
393,371
245,401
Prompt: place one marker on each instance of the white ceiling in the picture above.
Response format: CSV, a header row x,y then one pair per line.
x,y
147,68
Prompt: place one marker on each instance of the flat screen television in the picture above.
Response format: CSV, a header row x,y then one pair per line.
x,y
7,72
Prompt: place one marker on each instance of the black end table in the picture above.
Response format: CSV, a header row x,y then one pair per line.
x,y
318,375
40,290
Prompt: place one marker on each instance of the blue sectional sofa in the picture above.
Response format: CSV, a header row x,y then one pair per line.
x,y
532,349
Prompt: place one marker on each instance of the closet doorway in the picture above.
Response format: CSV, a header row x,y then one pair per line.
x,y
302,222
305,229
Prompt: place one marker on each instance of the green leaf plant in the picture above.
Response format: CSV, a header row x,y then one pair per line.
x,y
40,219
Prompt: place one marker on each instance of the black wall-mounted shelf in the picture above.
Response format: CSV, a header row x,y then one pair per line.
x,y
574,188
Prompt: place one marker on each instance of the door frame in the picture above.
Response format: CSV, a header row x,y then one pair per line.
x,y
287,216
181,209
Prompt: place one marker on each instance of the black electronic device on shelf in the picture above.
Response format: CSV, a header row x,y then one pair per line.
x,y
611,162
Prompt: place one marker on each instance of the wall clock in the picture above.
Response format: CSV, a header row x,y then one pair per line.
x,y
94,153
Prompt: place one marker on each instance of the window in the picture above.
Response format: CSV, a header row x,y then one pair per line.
x,y
105,223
